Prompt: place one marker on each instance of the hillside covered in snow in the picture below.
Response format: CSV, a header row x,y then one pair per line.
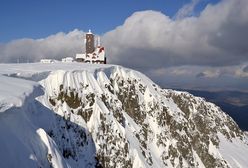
x,y
83,115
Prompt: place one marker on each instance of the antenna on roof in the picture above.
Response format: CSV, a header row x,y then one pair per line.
x,y
98,41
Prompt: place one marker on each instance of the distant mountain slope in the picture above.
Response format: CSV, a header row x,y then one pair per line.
x,y
234,103
82,115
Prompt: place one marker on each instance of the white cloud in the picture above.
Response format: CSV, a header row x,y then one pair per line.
x,y
210,73
55,46
242,72
202,77
172,71
187,10
153,40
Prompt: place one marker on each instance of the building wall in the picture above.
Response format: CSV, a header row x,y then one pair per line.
x,y
90,42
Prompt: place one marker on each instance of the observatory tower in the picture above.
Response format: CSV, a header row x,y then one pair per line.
x,y
93,54
90,42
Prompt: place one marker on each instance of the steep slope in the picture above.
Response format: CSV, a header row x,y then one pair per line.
x,y
22,143
110,116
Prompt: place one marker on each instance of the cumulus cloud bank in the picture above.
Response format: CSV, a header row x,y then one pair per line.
x,y
217,37
55,46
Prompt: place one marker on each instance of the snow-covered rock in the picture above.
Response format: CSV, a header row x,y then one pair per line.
x,y
82,115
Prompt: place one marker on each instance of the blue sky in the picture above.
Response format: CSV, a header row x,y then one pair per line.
x,y
41,18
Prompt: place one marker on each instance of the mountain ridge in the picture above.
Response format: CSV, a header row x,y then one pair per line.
x,y
111,116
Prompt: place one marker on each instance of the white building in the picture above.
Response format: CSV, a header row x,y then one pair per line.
x,y
47,61
68,59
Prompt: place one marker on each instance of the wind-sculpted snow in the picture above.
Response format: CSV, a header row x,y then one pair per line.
x,y
110,116
12,93
22,143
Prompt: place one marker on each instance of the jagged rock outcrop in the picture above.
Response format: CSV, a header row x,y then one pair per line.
x,y
110,116
133,122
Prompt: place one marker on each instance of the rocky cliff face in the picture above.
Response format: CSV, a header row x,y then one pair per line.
x,y
109,116
117,117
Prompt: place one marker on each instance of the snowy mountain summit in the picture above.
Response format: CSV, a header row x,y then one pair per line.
x,y
81,115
